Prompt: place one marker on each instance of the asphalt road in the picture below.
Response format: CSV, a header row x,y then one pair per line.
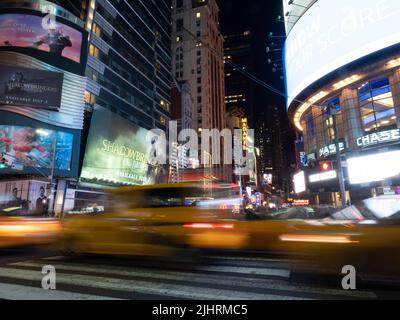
x,y
221,277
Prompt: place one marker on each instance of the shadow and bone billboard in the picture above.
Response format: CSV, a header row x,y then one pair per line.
x,y
118,152
30,88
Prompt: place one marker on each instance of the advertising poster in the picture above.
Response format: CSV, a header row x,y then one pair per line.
x,y
117,152
27,31
31,88
31,197
33,147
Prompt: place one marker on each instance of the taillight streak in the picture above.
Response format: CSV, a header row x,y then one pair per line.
x,y
208,226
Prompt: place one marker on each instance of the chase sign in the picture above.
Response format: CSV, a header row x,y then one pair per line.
x,y
378,138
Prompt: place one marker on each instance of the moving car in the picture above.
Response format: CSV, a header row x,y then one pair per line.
x,y
159,220
17,230
365,235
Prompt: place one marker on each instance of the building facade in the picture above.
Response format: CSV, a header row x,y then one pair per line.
x,y
43,55
197,46
353,79
183,112
86,81
238,54
129,64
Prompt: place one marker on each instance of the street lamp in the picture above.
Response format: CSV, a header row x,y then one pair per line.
x,y
332,111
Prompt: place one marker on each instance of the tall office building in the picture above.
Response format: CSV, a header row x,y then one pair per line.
x,y
239,89
197,47
198,58
129,65
272,139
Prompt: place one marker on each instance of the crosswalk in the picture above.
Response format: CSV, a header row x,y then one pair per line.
x,y
223,278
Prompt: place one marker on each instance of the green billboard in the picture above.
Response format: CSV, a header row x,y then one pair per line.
x,y
118,152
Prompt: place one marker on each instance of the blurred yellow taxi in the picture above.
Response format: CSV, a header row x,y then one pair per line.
x,y
365,235
17,230
159,220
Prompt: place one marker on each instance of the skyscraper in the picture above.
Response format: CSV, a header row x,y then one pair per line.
x,y
238,56
198,58
129,65
197,46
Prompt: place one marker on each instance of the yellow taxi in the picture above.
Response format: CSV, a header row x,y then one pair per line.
x,y
365,235
17,230
159,220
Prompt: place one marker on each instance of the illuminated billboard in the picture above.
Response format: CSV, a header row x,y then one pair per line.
x,y
374,168
27,31
299,181
30,88
118,152
332,34
33,147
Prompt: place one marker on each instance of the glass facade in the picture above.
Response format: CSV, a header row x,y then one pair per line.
x,y
131,41
363,108
376,104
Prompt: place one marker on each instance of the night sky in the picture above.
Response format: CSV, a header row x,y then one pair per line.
x,y
259,16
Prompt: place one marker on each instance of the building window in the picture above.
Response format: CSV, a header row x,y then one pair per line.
x,y
94,51
179,25
329,128
163,120
198,15
96,30
376,105
90,98
310,125
178,38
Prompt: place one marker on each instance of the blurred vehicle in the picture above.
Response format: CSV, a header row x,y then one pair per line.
x,y
17,230
365,235
302,213
159,220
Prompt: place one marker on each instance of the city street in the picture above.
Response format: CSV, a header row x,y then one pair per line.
x,y
222,277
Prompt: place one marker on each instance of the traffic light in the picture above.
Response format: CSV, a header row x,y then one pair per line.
x,y
326,166
3,163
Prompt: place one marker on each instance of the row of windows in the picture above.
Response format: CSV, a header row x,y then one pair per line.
x,y
111,61
376,113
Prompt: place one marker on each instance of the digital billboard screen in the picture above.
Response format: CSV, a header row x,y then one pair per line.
x,y
332,34
27,31
33,147
118,152
30,88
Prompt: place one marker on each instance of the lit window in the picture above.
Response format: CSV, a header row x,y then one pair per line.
x,y
163,120
377,105
94,51
198,15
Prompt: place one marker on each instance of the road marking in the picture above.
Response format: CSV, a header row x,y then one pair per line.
x,y
144,287
226,280
282,273
18,292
